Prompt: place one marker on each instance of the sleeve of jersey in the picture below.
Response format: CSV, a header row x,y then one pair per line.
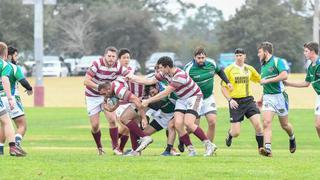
x,y
121,91
175,83
255,76
93,69
19,74
159,77
124,71
282,66
227,72
6,70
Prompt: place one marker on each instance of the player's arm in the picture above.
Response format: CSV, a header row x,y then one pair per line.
x,y
297,84
224,78
109,108
88,82
6,84
255,76
142,79
233,104
166,92
281,77
23,81
134,99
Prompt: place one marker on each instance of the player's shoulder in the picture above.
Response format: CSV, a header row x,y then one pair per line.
x,y
211,61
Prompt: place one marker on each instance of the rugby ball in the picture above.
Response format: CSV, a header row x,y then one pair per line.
x,y
112,101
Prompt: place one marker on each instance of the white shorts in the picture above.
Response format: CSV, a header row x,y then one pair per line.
x,y
208,106
123,107
94,105
3,109
17,111
190,105
317,106
163,119
277,103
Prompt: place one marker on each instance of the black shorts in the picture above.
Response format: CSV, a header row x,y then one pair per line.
x,y
247,107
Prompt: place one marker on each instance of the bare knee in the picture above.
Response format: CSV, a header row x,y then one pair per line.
x,y
211,124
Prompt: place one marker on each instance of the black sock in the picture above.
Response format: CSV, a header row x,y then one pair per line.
x,y
230,137
259,139
12,144
169,147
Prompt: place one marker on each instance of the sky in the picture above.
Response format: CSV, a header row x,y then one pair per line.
x,y
228,7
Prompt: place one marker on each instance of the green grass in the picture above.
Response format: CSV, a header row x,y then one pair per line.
x,y
60,146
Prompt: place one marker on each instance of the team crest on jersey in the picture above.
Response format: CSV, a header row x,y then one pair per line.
x,y
271,69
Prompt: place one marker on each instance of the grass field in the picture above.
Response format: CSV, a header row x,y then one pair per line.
x,y
60,146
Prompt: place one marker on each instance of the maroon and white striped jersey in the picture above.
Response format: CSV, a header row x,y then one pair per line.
x,y
134,87
100,73
121,91
182,83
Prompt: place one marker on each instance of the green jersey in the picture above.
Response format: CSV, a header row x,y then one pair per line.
x,y
203,75
5,71
313,75
15,75
271,69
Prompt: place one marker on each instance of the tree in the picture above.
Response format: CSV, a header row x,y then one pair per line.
x,y
124,27
259,21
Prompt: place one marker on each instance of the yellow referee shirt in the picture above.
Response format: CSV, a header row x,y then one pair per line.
x,y
240,78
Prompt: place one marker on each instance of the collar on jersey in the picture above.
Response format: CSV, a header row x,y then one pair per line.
x,y
266,62
198,65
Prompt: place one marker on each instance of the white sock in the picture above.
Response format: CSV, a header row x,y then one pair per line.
x,y
291,137
268,146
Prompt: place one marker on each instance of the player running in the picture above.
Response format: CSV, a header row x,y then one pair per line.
x,y
16,114
6,123
275,99
311,51
105,69
202,71
240,99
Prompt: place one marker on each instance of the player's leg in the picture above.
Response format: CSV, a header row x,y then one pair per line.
x,y
317,124
123,136
113,128
96,132
9,133
133,127
255,121
183,134
282,110
267,117
193,110
234,131
94,109
17,114
211,119
2,140
209,109
287,126
252,112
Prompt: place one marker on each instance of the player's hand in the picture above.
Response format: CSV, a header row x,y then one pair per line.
x,y
285,82
144,123
233,104
11,103
145,103
263,81
107,107
259,103
230,87
29,92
